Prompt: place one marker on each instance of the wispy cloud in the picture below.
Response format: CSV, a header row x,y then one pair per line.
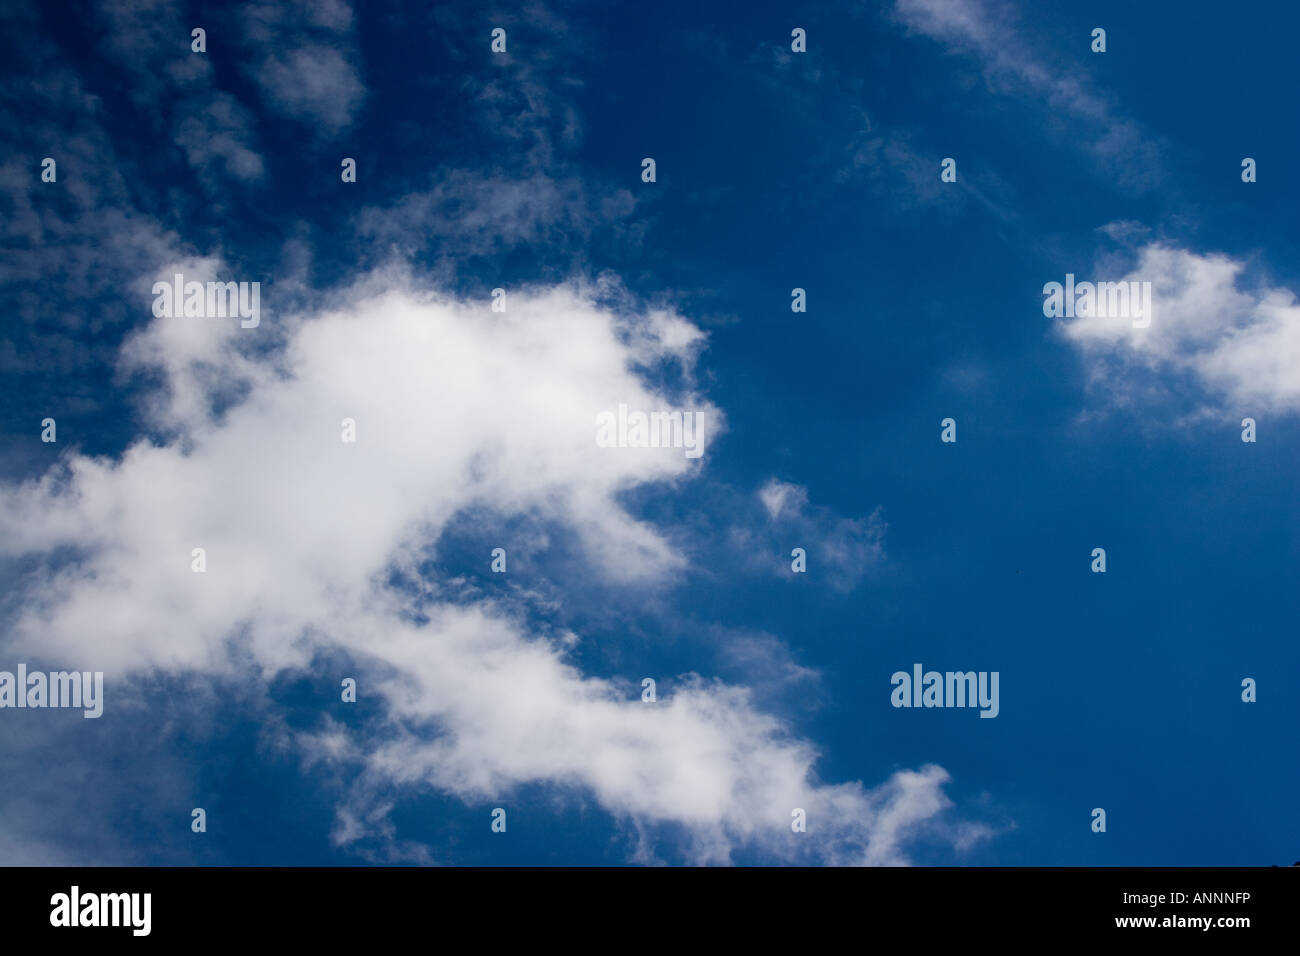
x,y
843,549
305,61
988,31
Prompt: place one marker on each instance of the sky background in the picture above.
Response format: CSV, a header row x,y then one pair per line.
x,y
775,170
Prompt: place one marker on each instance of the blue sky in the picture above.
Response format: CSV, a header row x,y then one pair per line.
x,y
775,170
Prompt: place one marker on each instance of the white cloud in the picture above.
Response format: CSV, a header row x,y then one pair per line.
x,y
1240,348
456,407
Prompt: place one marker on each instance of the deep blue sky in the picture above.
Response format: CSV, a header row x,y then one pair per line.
x,y
1119,690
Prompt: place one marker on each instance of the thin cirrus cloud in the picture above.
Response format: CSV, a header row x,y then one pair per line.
x,y
987,30
454,406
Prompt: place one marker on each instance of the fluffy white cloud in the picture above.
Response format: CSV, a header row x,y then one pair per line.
x,y
1241,348
454,405
456,408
